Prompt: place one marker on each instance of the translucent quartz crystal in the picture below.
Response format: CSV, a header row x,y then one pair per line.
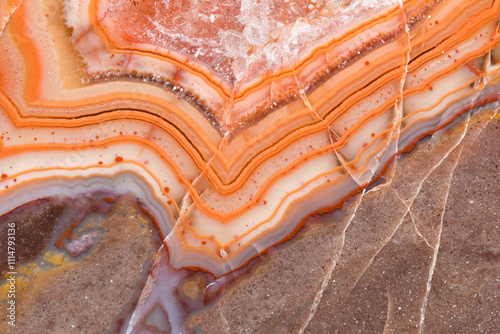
x,y
232,121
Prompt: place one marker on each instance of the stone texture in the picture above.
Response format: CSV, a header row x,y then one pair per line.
x,y
30,223
418,252
464,294
94,292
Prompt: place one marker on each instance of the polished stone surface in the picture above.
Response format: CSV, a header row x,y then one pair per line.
x,y
89,293
417,253
238,166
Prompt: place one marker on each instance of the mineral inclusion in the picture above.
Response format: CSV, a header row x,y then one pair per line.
x,y
228,124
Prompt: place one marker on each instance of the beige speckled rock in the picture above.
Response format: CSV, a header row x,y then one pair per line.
x,y
420,254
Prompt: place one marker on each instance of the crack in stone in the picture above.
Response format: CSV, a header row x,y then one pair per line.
x,y
436,248
413,218
408,205
226,323
389,308
328,276
5,20
377,252
490,118
414,196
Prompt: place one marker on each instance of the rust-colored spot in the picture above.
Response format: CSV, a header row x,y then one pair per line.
x,y
118,159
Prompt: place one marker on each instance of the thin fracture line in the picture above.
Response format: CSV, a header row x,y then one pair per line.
x,y
436,248
324,284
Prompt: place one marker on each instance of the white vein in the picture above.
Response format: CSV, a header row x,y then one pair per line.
x,y
408,205
436,248
6,19
413,220
389,309
438,243
226,323
331,268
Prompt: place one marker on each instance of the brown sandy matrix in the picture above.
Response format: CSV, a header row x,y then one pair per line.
x,y
231,121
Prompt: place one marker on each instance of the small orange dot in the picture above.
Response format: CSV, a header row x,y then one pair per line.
x,y
118,159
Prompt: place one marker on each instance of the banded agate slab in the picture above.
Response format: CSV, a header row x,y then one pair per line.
x,y
231,121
